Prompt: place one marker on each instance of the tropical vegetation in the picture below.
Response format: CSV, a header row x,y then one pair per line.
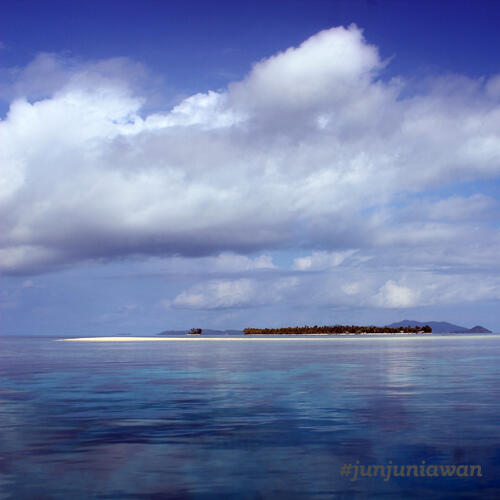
x,y
335,330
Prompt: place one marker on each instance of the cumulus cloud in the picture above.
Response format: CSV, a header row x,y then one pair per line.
x,y
324,70
393,295
48,73
403,289
356,288
308,151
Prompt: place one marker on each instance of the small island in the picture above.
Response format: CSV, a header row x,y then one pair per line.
x,y
338,330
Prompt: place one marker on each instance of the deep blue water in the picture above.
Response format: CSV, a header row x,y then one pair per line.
x,y
247,419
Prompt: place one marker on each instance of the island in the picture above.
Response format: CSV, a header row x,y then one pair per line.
x,y
338,330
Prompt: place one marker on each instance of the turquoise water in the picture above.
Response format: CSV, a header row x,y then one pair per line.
x,y
247,419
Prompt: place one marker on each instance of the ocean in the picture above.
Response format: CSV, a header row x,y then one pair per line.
x,y
286,418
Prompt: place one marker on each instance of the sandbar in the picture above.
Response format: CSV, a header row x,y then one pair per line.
x,y
273,338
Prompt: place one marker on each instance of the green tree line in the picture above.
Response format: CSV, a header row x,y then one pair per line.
x,y
332,330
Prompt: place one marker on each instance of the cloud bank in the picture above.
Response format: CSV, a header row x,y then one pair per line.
x,y
316,150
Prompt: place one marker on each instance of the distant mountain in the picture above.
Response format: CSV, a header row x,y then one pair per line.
x,y
204,332
479,329
441,326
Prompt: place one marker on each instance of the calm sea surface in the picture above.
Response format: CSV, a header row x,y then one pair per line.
x,y
248,419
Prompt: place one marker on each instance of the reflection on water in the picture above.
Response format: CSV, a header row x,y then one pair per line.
x,y
246,419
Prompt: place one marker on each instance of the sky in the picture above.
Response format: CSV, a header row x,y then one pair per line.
x,y
169,165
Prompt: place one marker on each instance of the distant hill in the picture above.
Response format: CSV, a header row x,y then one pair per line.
x,y
441,326
204,332
479,329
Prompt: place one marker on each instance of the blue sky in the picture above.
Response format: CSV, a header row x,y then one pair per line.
x,y
166,165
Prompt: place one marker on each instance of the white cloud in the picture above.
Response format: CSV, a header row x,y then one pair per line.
x,y
414,289
393,295
48,73
306,150
208,110
359,287
325,69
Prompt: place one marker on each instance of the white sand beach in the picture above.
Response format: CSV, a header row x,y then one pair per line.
x,y
277,338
